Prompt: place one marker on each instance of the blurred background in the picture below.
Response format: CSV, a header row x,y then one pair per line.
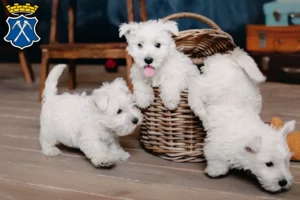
x,y
98,20
267,29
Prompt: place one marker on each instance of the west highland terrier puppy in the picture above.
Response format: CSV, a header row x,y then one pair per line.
x,y
227,99
157,62
91,123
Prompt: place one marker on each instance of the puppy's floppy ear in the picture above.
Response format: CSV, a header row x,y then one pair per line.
x,y
100,99
253,145
171,27
119,81
121,84
126,29
287,128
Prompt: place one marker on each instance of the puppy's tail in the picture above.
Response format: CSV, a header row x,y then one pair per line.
x,y
248,64
52,79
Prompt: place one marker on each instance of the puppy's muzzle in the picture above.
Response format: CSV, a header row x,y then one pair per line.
x,y
135,120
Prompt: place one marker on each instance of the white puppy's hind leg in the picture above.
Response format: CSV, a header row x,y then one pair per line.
x,y
248,64
197,106
48,144
195,99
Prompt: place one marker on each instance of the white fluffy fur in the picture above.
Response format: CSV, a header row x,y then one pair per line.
x,y
227,99
173,69
88,122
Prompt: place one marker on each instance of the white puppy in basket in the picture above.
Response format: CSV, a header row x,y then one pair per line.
x,y
91,123
157,62
227,99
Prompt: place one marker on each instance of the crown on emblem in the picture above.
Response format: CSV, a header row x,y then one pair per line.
x,y
27,8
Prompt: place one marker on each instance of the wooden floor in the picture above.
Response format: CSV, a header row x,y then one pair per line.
x,y
25,174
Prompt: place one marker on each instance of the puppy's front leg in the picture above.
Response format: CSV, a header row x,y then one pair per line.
x,y
97,151
142,90
216,166
143,94
170,94
118,151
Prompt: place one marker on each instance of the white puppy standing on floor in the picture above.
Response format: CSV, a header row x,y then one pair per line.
x,y
91,123
157,62
227,99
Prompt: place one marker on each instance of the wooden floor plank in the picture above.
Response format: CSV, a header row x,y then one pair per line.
x,y
128,142
131,144
146,173
20,121
23,111
103,185
20,103
16,190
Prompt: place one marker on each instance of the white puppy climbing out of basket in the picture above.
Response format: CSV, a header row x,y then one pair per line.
x,y
157,62
227,99
162,68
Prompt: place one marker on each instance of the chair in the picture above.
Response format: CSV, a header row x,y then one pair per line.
x,y
73,50
26,68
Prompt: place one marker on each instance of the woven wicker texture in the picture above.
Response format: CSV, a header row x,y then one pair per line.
x,y
178,135
200,43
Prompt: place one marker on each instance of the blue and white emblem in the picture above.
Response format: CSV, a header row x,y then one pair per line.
x,y
22,32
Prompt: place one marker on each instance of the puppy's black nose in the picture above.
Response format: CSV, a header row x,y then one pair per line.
x,y
135,120
282,183
148,60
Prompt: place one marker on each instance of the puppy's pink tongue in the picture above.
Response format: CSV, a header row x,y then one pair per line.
x,y
149,71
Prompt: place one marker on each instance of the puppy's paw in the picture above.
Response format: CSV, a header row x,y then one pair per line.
x,y
172,103
199,111
102,162
51,151
216,169
143,100
124,156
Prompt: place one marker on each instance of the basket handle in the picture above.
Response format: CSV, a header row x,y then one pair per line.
x,y
194,16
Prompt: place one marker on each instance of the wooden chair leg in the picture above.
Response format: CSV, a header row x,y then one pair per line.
x,y
72,75
143,10
128,68
26,68
44,72
130,10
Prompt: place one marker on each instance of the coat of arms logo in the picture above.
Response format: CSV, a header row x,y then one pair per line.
x,y
22,33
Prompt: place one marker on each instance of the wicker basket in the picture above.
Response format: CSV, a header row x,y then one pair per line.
x,y
179,135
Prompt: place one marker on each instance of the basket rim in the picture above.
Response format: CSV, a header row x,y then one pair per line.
x,y
206,31
196,16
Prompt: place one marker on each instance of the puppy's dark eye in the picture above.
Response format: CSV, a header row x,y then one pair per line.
x,y
140,45
119,111
269,164
157,45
